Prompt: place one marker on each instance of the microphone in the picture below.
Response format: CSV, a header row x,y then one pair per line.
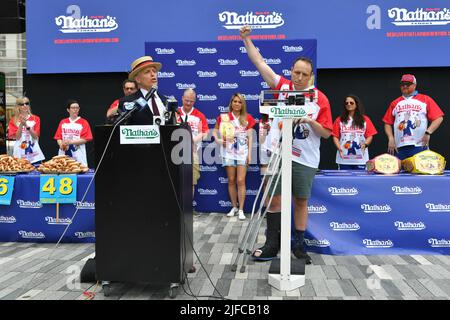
x,y
131,107
151,93
157,120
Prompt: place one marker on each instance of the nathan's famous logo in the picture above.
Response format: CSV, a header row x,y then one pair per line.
x,y
375,243
287,72
439,243
60,221
140,133
352,226
252,97
206,50
249,73
287,112
222,109
244,50
409,226
83,235
334,191
74,22
207,192
185,63
256,20
228,85
438,207
228,62
31,235
208,168
292,48
84,205
376,208
225,204
206,97
321,243
272,60
206,74
317,209
166,74
264,85
184,86
406,190
164,50
26,204
223,180
8,219
420,17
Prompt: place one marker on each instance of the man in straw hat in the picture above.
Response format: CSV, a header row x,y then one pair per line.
x,y
145,72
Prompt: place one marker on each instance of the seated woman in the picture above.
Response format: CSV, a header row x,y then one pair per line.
x,y
233,132
73,133
25,128
352,134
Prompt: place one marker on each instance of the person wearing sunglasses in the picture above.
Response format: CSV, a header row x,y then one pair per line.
x,y
352,133
25,128
410,120
129,87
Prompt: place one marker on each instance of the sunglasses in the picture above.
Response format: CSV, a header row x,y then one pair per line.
x,y
405,84
351,103
23,104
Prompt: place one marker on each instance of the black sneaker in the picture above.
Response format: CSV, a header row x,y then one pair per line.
x,y
266,253
300,254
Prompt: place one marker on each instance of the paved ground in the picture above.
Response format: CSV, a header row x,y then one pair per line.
x,y
39,271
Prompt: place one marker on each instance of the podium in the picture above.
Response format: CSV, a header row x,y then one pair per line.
x,y
143,214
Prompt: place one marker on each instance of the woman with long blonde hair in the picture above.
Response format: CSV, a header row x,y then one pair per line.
x,y
25,128
233,133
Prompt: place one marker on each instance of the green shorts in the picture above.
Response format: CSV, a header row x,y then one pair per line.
x,y
302,180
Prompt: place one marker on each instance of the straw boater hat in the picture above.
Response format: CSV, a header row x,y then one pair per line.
x,y
141,63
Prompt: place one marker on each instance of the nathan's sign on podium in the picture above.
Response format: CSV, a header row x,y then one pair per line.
x,y
145,134
285,112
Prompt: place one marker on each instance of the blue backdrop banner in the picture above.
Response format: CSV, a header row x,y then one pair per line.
x,y
349,213
359,213
216,70
104,36
29,220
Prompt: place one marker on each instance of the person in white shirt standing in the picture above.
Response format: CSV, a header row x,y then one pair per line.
x,y
25,128
410,120
305,149
187,113
73,133
233,132
353,132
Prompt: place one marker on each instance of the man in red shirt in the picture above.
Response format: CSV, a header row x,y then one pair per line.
x,y
128,87
187,113
305,149
410,120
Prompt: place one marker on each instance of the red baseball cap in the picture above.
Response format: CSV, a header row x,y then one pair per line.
x,y
408,78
